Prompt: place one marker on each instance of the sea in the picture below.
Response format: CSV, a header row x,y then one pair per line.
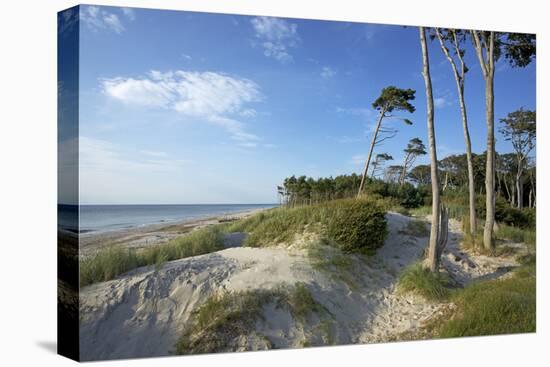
x,y
107,218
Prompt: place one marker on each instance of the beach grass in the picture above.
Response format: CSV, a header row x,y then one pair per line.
x,y
515,234
503,306
416,228
333,262
112,261
420,280
224,317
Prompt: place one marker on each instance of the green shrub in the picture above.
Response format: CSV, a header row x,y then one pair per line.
x,y
420,280
524,218
406,195
357,225
350,224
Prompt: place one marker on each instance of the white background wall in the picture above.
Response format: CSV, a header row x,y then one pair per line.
x,y
28,181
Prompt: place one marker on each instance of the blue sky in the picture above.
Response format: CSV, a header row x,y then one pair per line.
x,y
181,107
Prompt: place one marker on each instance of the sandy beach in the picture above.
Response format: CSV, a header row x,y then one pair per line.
x,y
153,234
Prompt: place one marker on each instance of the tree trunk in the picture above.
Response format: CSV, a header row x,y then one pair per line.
x,y
508,193
459,79
519,184
469,158
373,142
490,168
446,181
487,63
433,259
404,171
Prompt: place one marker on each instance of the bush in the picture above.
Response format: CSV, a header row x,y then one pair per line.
x,y
524,218
357,226
349,224
406,195
420,280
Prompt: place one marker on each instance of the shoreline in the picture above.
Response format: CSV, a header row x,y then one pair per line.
x,y
154,233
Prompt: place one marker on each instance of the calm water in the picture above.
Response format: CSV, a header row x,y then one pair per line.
x,y
102,218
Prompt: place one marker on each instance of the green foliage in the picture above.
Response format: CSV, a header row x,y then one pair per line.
x,y
524,218
301,303
113,261
494,307
221,319
421,211
107,264
420,280
395,99
306,190
527,236
357,226
326,258
350,224
416,228
405,195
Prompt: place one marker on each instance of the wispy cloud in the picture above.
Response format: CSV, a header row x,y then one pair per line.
x,y
327,72
440,102
349,139
97,155
356,111
444,99
277,36
213,97
96,19
129,13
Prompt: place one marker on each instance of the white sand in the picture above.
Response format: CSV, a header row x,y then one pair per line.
x,y
144,312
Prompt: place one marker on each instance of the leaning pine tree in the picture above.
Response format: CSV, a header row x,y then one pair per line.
x,y
438,231
391,99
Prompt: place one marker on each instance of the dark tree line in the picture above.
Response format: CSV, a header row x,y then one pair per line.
x,y
304,190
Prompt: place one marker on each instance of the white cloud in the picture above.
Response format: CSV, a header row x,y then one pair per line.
x,y
213,97
327,72
277,36
440,102
186,57
98,19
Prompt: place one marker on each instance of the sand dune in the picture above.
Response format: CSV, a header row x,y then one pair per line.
x,y
144,312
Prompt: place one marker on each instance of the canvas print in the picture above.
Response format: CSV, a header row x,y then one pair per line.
x,y
235,183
